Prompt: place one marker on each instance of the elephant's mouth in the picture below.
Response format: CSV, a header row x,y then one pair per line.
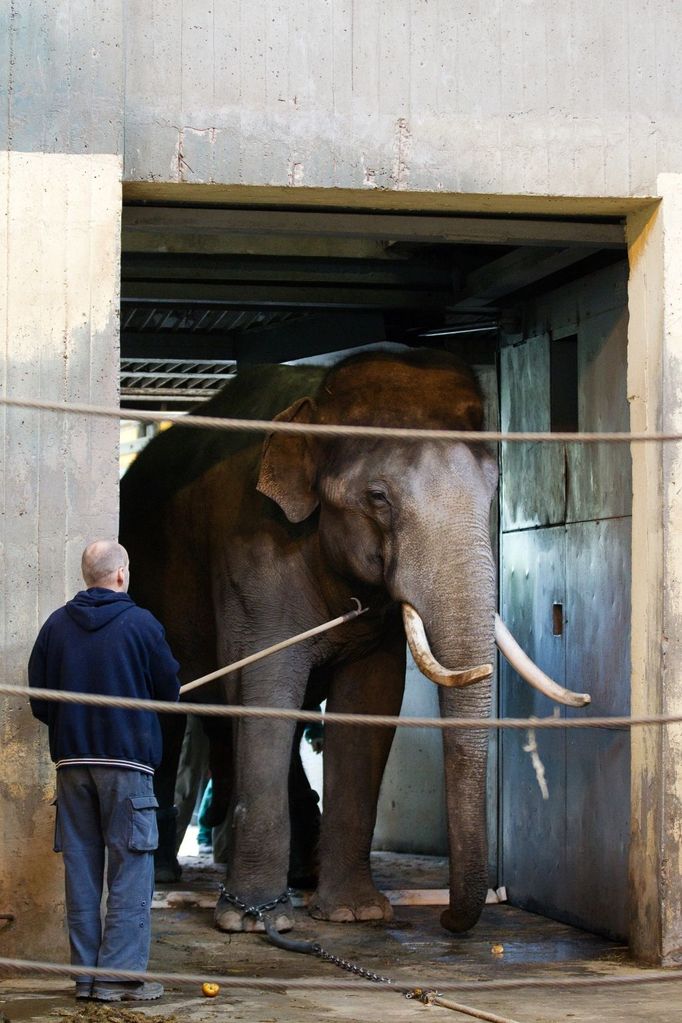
x,y
459,678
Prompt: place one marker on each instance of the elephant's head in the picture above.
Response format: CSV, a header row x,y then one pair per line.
x,y
412,518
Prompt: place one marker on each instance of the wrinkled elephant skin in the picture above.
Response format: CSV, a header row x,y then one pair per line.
x,y
237,543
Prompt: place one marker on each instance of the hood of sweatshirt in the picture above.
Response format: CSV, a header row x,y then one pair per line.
x,y
96,607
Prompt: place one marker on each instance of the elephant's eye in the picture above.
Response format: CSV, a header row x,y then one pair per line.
x,y
377,497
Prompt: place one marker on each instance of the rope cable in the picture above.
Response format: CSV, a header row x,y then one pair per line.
x,y
342,984
333,718
325,430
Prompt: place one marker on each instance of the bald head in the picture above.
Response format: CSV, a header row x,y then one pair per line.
x,y
105,563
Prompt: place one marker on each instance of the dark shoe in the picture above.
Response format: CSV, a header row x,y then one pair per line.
x,y
83,989
126,991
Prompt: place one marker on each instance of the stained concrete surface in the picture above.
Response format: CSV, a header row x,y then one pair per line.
x,y
414,947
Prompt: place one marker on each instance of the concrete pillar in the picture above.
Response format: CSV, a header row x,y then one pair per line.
x,y
59,292
655,394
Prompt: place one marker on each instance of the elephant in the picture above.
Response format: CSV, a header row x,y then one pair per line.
x,y
238,543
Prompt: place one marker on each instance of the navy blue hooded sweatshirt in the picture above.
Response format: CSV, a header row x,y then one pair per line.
x,y
101,642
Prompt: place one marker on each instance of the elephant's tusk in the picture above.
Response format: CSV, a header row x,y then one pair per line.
x,y
427,663
529,671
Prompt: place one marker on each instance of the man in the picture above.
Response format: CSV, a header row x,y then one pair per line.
x,y
102,643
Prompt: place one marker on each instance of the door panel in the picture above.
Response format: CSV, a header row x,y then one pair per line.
x,y
533,830
598,760
533,475
600,475
566,532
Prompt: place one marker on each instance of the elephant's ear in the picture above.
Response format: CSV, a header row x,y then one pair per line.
x,y
287,469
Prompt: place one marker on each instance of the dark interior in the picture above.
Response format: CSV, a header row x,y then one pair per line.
x,y
205,289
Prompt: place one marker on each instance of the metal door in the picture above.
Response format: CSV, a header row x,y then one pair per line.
x,y
565,592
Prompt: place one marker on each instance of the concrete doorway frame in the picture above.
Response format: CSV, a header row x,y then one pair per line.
x,y
653,230
654,237
654,348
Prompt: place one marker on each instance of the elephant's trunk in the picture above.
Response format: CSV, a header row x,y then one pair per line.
x,y
462,634
465,762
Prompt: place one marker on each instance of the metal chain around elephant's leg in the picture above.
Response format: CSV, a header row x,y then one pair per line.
x,y
425,996
263,912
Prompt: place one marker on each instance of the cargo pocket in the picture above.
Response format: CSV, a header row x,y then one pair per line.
x,y
57,840
144,833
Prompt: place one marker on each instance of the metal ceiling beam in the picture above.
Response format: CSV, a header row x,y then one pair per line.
x,y
140,398
516,270
291,270
390,227
275,246
267,295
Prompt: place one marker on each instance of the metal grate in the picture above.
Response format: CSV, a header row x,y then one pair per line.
x,y
176,317
173,380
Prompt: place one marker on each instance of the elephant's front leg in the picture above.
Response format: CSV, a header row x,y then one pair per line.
x,y
354,761
259,843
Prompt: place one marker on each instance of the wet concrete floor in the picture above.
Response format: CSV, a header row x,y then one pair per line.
x,y
413,948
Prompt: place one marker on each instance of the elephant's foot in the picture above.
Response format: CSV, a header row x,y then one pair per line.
x,y
234,919
365,903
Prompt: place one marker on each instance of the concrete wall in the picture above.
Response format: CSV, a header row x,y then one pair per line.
x,y
59,284
61,130
483,97
655,390
61,69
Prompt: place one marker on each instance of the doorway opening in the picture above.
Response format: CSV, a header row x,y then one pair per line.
x,y
538,305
